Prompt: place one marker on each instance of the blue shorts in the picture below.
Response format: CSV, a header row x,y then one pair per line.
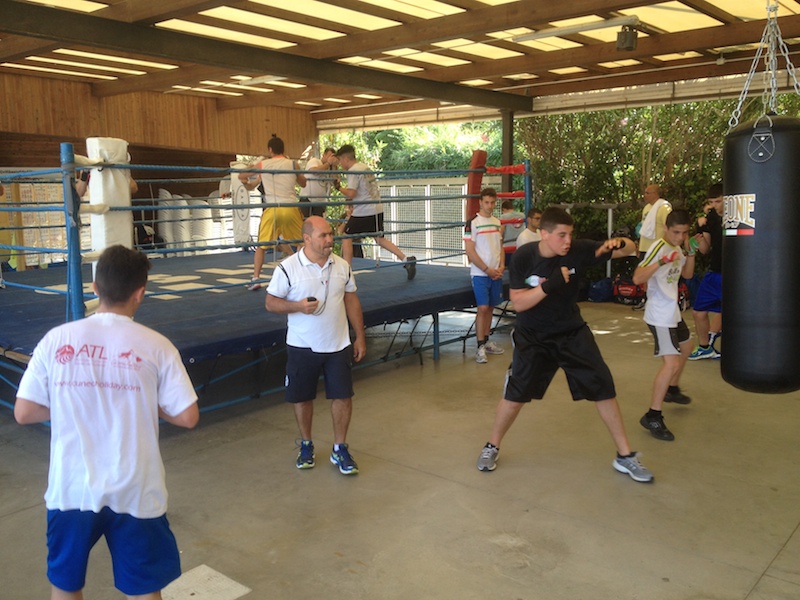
x,y
144,552
304,367
709,294
488,291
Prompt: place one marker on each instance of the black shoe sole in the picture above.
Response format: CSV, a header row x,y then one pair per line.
x,y
411,267
680,400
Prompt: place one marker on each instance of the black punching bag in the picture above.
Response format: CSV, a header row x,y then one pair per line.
x,y
761,256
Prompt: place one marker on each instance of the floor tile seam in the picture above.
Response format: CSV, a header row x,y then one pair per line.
x,y
766,572
37,506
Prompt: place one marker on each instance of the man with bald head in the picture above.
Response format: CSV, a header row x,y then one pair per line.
x,y
654,218
654,223
317,291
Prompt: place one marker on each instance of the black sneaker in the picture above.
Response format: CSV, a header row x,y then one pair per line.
x,y
411,267
677,397
657,428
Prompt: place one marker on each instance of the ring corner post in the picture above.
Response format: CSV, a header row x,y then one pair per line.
x,y
75,306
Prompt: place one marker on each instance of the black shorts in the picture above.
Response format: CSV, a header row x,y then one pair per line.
x,y
311,211
368,225
304,367
537,357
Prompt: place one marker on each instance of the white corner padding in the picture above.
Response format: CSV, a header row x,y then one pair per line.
x,y
110,187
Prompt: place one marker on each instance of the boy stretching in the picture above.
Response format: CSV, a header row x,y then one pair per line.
x,y
550,333
662,267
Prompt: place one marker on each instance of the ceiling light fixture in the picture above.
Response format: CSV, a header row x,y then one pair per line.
x,y
262,79
631,21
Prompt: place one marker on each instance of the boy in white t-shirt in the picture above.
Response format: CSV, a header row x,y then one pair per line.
x,y
662,267
103,382
484,245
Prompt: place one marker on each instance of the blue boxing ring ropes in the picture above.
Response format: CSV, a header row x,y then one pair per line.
x,y
201,270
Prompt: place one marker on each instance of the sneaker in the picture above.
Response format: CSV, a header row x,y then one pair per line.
x,y
641,305
700,353
253,285
305,458
632,466
487,461
480,355
411,267
492,348
657,428
342,459
677,397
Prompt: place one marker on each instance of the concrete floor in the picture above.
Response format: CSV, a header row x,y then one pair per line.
x,y
554,521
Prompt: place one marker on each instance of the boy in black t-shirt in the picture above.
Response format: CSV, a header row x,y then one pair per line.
x,y
550,333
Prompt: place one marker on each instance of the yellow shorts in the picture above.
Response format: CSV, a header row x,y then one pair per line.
x,y
284,221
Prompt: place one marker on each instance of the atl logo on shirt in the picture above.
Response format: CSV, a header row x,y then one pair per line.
x,y
67,353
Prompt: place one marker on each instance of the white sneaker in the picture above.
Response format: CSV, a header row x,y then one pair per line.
x,y
480,355
492,348
253,285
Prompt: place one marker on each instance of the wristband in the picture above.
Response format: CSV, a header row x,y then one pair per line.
x,y
661,262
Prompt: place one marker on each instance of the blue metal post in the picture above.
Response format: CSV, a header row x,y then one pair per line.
x,y
75,307
527,184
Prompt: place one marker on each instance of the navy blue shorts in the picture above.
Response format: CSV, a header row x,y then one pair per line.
x,y
709,294
488,291
144,552
303,370
537,357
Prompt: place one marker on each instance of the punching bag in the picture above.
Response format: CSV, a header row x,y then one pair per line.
x,y
761,256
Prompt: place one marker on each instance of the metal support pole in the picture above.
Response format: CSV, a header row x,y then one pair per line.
x,y
527,183
610,232
75,306
507,150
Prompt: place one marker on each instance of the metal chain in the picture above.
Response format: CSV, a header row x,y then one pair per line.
x,y
771,41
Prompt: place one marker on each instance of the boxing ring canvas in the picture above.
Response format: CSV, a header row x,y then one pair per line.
x,y
201,304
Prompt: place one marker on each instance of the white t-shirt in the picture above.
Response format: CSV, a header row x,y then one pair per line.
x,y
318,183
104,378
297,278
278,187
366,187
485,233
662,308
528,236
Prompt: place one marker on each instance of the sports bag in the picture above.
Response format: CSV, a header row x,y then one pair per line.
x,y
627,292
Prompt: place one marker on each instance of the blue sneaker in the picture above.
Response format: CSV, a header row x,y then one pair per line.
x,y
305,458
342,459
701,353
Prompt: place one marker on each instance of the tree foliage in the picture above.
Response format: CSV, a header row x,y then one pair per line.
x,y
602,157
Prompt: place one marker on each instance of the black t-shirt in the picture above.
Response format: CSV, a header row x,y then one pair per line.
x,y
713,227
558,312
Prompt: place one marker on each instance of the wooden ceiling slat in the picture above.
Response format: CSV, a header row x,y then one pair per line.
x,y
49,23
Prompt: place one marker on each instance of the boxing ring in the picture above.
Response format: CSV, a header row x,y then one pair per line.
x,y
197,296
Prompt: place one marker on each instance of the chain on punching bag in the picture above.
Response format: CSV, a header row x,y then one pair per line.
x,y
761,244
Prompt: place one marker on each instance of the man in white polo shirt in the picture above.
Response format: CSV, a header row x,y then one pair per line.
x,y
317,291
